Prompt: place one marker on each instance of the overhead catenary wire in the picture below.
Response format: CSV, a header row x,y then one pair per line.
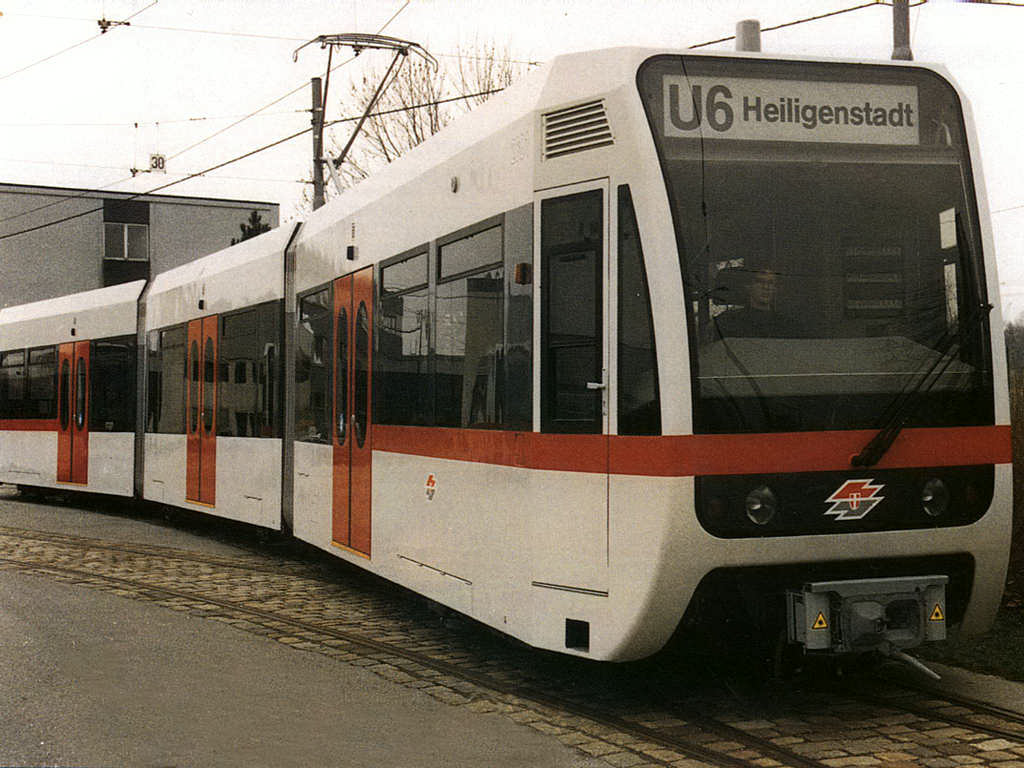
x,y
292,92
806,20
216,133
144,123
54,55
68,49
191,176
211,169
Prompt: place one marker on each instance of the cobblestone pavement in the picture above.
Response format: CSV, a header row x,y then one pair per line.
x,y
654,713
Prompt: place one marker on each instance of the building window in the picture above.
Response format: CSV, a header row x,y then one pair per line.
x,y
126,242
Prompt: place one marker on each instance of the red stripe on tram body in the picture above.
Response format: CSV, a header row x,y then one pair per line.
x,y
675,456
691,455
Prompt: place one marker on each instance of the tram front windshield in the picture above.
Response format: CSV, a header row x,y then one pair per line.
x,y
828,241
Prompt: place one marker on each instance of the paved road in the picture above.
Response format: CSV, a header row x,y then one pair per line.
x,y
88,678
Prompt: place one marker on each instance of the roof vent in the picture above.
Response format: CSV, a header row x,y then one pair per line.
x,y
576,129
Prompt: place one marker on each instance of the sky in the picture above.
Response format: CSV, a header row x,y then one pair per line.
x,y
83,108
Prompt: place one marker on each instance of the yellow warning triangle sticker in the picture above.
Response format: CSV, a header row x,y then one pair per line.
x,y
820,622
937,614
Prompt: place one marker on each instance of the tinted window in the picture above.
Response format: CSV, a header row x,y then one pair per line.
x,y
470,253
167,375
403,352
209,382
519,314
638,406
193,387
830,262
65,394
469,350
81,380
313,347
28,383
469,332
404,275
112,404
571,254
361,383
341,382
12,384
41,399
247,350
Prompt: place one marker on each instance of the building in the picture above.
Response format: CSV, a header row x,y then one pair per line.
x,y
55,241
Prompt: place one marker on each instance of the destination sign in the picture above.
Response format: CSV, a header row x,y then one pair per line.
x,y
790,110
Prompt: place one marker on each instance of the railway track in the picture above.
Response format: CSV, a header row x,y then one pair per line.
x,y
630,715
928,702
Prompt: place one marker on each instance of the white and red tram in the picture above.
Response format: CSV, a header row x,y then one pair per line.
x,y
650,338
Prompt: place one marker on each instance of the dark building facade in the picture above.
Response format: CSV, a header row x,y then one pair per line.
x,y
68,240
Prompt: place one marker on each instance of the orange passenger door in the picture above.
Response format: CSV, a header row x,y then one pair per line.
x,y
352,438
73,413
201,410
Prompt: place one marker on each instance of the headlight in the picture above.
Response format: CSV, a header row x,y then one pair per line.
x,y
935,497
761,505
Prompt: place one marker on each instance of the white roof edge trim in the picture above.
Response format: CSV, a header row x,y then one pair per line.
x,y
268,244
98,298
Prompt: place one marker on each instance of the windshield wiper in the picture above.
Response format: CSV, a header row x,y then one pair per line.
x,y
903,406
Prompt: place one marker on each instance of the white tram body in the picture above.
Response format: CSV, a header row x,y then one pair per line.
x,y
529,370
230,296
58,439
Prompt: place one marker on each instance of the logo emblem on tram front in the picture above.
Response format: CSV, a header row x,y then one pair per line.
x,y
854,499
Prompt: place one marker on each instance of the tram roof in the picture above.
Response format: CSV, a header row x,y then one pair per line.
x,y
552,85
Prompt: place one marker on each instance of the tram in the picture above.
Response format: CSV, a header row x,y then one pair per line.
x,y
650,341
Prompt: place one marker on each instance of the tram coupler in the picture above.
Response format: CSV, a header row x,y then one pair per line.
x,y
862,615
894,653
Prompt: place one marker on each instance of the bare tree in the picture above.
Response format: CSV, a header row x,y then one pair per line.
x,y
418,102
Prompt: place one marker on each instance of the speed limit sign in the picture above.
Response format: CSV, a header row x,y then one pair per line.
x,y
158,163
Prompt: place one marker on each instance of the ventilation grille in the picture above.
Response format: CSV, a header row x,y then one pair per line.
x,y
576,129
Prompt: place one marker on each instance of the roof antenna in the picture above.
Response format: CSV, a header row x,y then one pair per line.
x,y
901,31
748,35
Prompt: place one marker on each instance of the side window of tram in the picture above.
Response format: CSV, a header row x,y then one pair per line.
x,y
469,333
41,397
639,406
167,374
28,383
571,312
313,359
112,385
403,344
247,386
12,384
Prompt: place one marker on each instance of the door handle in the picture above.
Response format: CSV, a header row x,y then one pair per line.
x,y
596,385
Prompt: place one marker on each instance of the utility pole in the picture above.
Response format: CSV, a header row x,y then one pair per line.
x,y
318,145
901,31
